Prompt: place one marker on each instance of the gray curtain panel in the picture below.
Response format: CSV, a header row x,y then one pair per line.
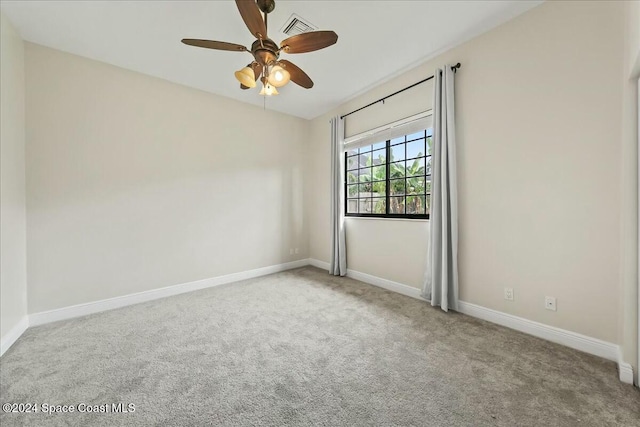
x,y
441,278
338,264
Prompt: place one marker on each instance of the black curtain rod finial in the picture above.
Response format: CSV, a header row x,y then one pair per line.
x,y
454,68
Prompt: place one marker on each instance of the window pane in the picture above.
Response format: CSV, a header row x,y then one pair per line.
x,y
365,159
415,149
365,206
397,152
415,185
396,186
365,190
352,177
365,175
379,189
415,135
396,170
379,206
415,167
430,132
415,205
379,157
352,162
397,140
379,173
428,204
406,179
396,205
380,145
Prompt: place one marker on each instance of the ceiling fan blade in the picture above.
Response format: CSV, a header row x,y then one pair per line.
x,y
308,42
212,44
252,17
298,76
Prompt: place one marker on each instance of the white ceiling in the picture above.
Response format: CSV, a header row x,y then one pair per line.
x,y
377,39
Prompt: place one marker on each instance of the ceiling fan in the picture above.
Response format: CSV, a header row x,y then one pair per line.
x,y
267,66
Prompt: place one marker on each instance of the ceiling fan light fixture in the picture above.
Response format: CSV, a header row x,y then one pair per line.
x,y
267,65
278,76
246,76
268,90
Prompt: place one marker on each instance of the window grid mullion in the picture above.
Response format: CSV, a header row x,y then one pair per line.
x,y
387,164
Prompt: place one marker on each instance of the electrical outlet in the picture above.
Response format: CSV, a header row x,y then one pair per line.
x,y
297,250
291,251
508,294
550,303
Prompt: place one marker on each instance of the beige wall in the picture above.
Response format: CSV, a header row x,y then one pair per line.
x,y
629,183
135,183
13,280
539,106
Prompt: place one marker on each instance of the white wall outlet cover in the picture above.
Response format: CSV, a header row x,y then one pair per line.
x,y
508,294
550,303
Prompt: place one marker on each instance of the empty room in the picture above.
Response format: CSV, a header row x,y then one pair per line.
x,y
319,213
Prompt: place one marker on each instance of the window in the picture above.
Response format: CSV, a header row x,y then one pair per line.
x,y
390,179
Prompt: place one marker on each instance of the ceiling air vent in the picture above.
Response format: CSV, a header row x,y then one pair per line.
x,y
297,25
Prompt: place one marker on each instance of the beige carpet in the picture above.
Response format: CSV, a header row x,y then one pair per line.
x,y
304,348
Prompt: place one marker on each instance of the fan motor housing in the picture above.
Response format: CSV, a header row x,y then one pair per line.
x,y
265,51
266,6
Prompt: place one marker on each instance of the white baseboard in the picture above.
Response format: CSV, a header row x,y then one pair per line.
x,y
570,339
625,370
320,264
574,340
373,280
14,333
44,317
389,285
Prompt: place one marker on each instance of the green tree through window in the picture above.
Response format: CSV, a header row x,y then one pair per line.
x,y
390,178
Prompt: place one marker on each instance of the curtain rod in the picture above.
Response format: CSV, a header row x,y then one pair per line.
x,y
454,68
